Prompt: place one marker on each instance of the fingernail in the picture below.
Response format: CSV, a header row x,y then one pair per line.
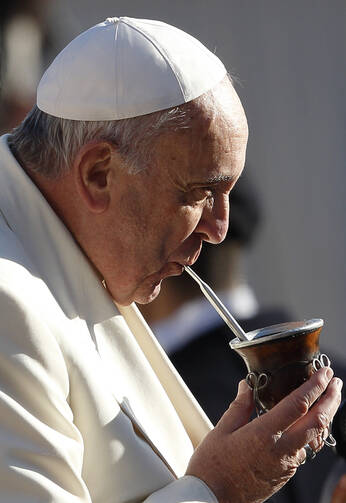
x,y
339,382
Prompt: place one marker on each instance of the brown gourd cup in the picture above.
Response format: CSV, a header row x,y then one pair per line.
x,y
279,358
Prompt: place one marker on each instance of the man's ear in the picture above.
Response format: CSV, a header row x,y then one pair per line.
x,y
92,169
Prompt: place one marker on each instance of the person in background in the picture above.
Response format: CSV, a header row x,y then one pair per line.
x,y
24,37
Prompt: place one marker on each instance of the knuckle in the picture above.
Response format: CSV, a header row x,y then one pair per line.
x,y
322,421
301,404
322,381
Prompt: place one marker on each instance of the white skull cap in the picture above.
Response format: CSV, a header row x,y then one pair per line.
x,y
127,67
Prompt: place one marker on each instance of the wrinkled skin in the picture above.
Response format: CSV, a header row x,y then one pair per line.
x,y
138,229
165,213
246,462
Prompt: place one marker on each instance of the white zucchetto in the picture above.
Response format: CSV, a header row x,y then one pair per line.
x,y
127,67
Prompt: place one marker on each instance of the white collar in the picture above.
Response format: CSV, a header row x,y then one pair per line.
x,y
56,256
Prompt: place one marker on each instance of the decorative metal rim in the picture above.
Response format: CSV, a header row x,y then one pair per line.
x,y
275,332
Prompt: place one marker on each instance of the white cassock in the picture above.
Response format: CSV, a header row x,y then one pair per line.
x,y
91,409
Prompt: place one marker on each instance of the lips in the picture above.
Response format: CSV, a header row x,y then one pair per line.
x,y
191,260
188,251
172,269
187,262
179,260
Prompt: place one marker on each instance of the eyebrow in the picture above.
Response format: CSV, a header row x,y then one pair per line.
x,y
214,180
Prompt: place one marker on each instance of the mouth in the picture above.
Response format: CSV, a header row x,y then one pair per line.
x,y
187,263
172,269
175,267
192,259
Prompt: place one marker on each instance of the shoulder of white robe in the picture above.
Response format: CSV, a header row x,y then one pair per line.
x,y
195,421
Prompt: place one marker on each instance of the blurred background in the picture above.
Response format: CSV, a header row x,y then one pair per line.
x,y
288,62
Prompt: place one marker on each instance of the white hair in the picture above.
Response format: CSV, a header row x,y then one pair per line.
x,y
48,145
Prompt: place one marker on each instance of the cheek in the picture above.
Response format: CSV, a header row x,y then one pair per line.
x,y
133,211
186,221
172,230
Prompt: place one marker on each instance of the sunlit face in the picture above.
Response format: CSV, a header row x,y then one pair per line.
x,y
161,216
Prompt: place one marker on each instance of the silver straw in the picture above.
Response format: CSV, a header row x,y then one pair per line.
x,y
217,304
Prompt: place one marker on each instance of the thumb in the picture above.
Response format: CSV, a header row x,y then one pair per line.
x,y
240,409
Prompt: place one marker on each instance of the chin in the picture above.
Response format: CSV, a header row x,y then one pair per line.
x,y
147,297
143,294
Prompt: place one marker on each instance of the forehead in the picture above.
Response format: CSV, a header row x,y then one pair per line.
x,y
213,148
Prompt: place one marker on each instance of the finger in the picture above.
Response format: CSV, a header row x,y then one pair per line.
x,y
239,411
339,494
298,402
318,443
301,457
310,429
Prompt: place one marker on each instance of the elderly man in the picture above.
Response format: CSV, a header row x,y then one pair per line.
x,y
111,184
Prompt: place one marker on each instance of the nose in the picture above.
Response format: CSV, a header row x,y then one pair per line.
x,y
213,224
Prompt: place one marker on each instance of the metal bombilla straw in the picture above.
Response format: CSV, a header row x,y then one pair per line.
x,y
218,306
